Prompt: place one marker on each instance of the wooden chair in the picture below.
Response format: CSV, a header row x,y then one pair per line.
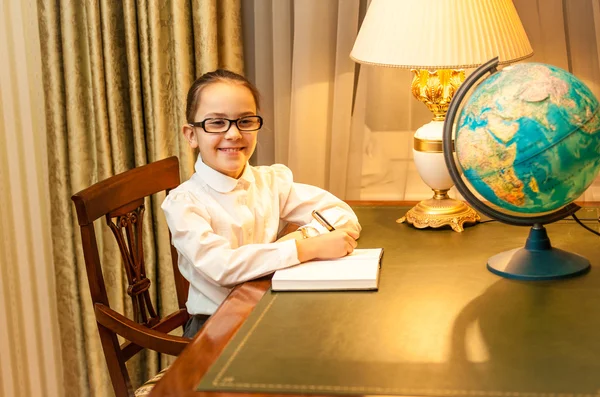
x,y
120,199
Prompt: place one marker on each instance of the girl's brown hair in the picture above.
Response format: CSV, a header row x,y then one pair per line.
x,y
219,75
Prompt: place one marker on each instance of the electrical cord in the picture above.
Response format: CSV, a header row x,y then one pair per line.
x,y
585,226
575,218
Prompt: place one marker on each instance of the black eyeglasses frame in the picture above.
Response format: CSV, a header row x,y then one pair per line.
x,y
231,122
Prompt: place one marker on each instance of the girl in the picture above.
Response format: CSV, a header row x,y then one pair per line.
x,y
224,220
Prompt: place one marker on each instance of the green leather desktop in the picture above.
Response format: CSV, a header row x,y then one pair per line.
x,y
440,325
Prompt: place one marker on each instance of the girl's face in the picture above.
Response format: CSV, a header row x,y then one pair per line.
x,y
227,152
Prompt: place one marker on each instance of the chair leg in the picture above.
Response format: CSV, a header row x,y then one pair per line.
x,y
116,364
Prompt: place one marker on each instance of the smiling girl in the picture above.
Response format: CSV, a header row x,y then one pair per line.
x,y
225,219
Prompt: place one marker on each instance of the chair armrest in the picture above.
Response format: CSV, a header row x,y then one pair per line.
x,y
166,325
138,334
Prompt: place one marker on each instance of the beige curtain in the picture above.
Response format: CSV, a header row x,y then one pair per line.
x,y
297,53
30,363
115,76
352,132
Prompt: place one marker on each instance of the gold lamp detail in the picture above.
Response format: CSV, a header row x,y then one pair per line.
x,y
435,90
437,40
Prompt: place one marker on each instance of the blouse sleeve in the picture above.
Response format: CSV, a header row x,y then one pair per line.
x,y
297,201
210,254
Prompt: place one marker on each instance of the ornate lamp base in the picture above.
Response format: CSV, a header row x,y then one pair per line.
x,y
439,211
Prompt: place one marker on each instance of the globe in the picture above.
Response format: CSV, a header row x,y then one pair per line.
x,y
528,141
528,138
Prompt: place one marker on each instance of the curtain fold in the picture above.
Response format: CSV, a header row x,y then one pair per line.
x,y
31,362
116,75
302,68
342,97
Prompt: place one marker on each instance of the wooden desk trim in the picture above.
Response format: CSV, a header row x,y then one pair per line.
x,y
185,373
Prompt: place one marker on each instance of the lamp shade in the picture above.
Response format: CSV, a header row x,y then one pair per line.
x,y
433,34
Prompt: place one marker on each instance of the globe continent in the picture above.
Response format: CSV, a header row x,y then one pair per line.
x,y
528,138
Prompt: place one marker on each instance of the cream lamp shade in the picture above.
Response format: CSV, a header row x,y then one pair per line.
x,y
446,36
434,34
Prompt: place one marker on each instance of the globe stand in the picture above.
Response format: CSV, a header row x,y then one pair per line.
x,y
538,260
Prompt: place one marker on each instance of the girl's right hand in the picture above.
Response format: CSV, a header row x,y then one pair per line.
x,y
330,245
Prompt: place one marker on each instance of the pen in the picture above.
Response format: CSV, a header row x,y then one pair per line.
x,y
322,221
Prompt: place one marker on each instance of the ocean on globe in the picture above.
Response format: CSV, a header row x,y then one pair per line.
x,y
528,138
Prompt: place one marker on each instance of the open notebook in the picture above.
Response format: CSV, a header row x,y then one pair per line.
x,y
357,271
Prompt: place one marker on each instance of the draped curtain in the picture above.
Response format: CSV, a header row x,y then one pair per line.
x,y
349,128
297,53
116,75
31,363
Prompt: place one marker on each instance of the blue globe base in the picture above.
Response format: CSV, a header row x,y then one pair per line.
x,y
538,260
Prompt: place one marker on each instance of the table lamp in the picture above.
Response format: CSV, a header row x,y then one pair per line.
x,y
437,40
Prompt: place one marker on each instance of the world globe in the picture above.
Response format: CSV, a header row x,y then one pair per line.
x,y
528,141
528,138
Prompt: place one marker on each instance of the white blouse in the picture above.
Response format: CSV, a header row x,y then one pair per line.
x,y
224,228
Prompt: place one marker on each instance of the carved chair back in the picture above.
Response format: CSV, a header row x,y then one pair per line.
x,y
120,200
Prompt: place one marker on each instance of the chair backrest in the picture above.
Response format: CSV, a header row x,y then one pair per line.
x,y
120,199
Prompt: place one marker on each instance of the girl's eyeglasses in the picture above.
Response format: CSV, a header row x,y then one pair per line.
x,y
220,125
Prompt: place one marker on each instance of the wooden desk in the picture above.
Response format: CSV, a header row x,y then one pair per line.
x,y
185,374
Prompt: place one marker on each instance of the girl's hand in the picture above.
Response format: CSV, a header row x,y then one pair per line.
x,y
330,245
351,232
